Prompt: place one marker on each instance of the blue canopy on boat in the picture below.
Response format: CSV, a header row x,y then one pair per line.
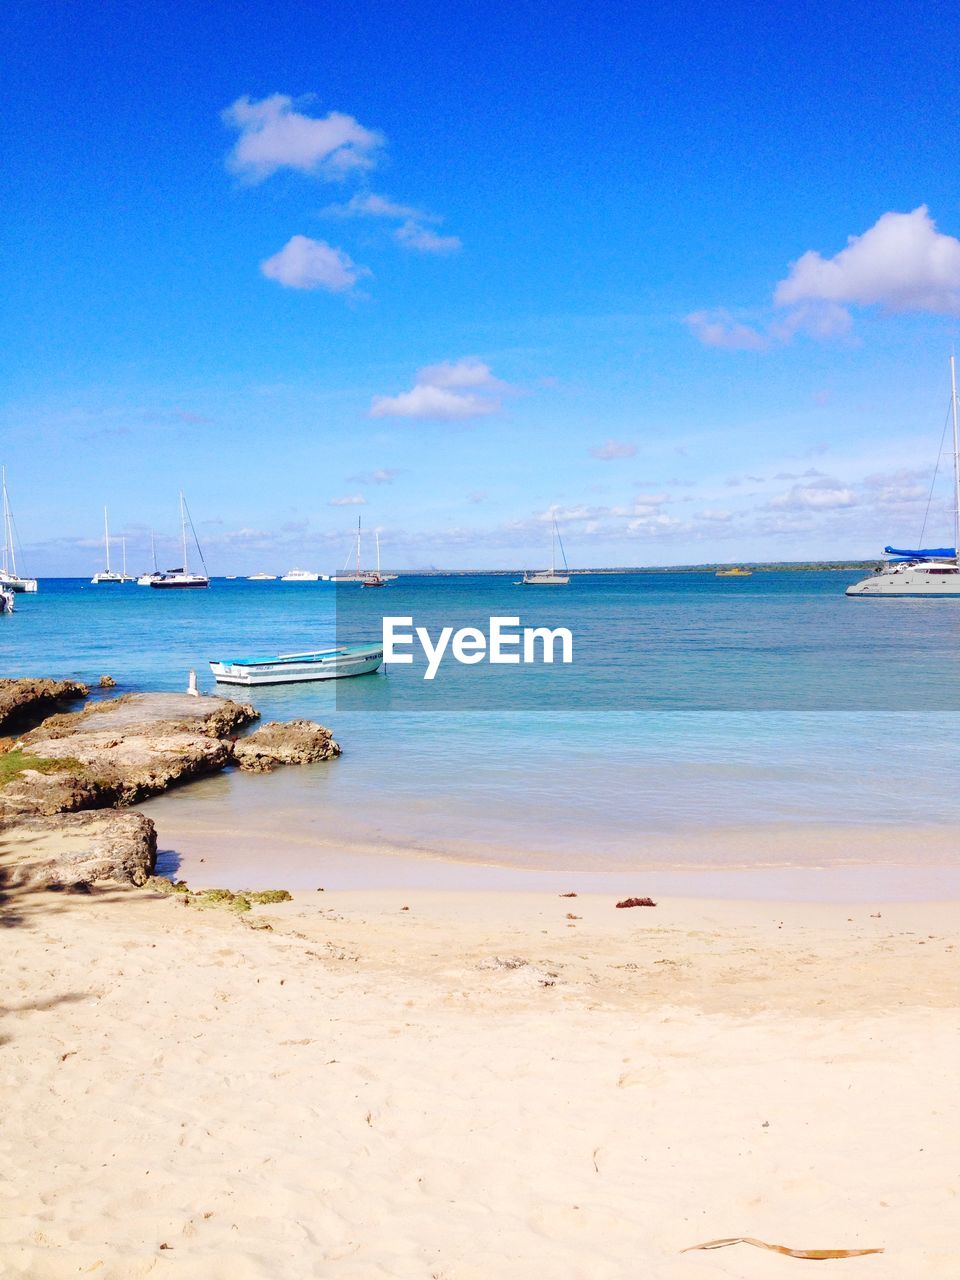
x,y
926,553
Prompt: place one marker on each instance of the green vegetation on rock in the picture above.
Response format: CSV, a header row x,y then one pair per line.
x,y
14,763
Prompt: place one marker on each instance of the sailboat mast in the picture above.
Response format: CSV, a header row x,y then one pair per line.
x,y
553,548
358,545
956,458
378,553
106,537
183,532
123,553
8,551
153,548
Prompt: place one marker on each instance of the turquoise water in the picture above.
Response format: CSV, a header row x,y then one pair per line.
x,y
694,706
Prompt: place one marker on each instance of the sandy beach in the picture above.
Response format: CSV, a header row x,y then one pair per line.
x,y
464,1085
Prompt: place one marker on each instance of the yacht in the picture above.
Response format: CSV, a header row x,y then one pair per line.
x,y
549,577
108,576
262,577
10,579
365,577
929,572
376,578
182,578
300,575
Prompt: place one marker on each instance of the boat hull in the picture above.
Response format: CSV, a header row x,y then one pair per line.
x,y
331,664
907,584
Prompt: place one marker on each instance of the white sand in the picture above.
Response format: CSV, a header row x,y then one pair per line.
x,y
362,1092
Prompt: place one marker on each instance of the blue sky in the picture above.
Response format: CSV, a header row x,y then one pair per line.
x,y
457,275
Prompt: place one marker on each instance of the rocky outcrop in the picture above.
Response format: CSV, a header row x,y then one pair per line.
x,y
297,742
25,701
75,849
120,751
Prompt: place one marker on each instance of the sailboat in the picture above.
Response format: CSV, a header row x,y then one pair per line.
x,y
10,579
377,579
147,579
108,576
182,578
549,577
929,572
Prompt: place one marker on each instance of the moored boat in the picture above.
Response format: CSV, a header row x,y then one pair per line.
x,y
7,599
293,668
923,572
10,579
300,575
548,577
181,578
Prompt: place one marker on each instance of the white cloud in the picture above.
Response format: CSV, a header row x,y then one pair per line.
x,y
273,135
303,263
819,495
614,449
902,263
446,392
717,328
370,205
382,475
469,372
352,500
424,401
413,236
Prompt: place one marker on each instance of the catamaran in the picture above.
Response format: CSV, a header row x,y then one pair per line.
x,y
108,576
10,580
932,572
549,577
300,575
182,578
294,668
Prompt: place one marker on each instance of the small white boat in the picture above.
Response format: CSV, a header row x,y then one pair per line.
x,y
924,572
10,580
7,599
300,575
182,578
262,577
292,668
548,577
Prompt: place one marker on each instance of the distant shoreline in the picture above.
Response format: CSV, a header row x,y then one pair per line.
x,y
800,566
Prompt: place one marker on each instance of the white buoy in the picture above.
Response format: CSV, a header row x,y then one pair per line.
x,y
192,685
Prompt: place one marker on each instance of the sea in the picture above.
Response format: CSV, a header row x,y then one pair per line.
x,y
706,730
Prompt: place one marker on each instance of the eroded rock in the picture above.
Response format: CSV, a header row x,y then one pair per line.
x,y
25,701
75,849
120,751
297,742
